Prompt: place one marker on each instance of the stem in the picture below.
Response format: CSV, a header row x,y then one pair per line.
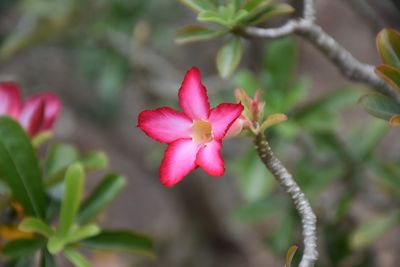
x,y
302,205
330,48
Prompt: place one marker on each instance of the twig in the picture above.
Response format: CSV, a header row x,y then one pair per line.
x,y
338,55
302,205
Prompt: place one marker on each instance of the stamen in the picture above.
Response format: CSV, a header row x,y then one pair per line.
x,y
201,131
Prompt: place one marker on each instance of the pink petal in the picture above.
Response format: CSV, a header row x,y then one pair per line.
x,y
179,160
165,124
235,128
52,108
32,115
210,159
193,97
10,99
222,117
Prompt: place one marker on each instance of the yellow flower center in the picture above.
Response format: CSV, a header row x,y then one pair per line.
x,y
201,131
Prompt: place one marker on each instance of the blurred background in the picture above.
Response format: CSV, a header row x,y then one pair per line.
x,y
111,59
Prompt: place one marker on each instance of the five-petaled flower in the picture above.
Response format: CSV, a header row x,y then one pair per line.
x,y
36,115
194,136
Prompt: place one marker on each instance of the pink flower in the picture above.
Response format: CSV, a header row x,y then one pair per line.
x,y
36,115
194,136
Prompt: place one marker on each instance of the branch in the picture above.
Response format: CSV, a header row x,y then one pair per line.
x,y
338,55
302,205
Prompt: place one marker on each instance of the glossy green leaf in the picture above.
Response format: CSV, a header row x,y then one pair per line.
x,y
75,258
388,43
120,241
100,197
228,57
380,106
83,232
289,255
35,225
195,33
390,75
22,247
371,230
19,167
199,5
264,12
74,183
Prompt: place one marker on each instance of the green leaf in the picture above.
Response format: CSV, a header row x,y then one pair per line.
x,y
100,197
75,258
380,106
195,33
198,5
264,12
120,241
19,167
215,17
22,247
289,256
253,4
83,232
74,183
35,225
390,75
40,138
388,43
228,57
55,244
371,230
94,161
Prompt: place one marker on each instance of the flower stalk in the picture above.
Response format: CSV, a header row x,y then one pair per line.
x,y
285,179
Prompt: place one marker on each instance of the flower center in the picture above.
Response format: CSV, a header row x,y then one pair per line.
x,y
201,131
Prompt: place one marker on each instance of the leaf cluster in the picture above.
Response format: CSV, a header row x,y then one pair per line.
x,y
229,18
33,186
380,106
